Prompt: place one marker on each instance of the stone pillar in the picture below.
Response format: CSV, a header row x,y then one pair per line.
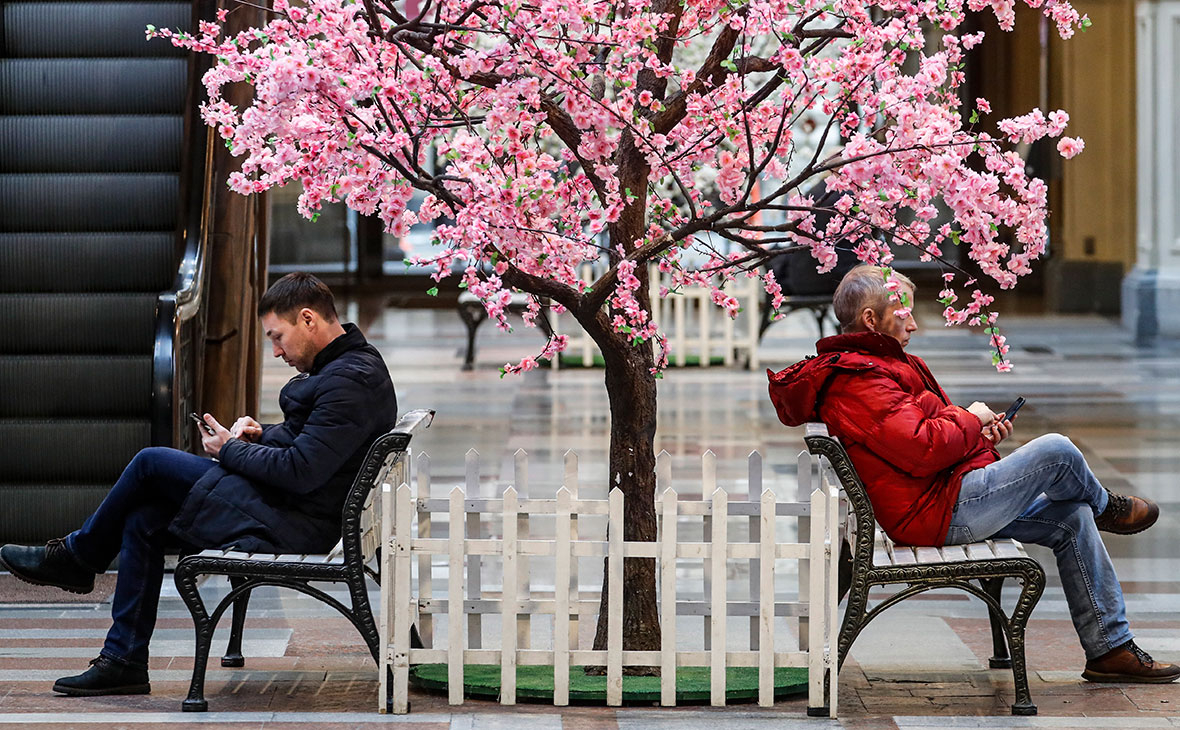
x,y
1151,292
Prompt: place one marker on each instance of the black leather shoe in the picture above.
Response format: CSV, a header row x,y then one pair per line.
x,y
105,677
52,565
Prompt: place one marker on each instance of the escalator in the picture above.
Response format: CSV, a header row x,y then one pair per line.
x,y
101,197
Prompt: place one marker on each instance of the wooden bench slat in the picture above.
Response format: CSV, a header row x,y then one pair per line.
x,y
1007,549
954,554
925,555
979,551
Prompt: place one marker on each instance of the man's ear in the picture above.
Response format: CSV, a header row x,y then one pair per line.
x,y
868,319
307,317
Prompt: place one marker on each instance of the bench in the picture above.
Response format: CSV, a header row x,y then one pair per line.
x,y
877,561
348,562
473,314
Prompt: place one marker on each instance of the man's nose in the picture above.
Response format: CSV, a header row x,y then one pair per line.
x,y
276,350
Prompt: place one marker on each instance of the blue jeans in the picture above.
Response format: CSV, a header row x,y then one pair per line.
x,y
1044,493
132,523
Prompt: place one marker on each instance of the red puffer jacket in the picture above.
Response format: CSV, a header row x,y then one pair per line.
x,y
909,444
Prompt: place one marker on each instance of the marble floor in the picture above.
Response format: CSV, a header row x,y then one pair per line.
x,y
1082,376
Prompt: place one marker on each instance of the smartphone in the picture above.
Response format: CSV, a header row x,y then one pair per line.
x,y
1016,404
201,422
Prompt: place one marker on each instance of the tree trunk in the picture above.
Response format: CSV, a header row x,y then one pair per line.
x,y
631,391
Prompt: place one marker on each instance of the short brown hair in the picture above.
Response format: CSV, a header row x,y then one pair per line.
x,y
296,291
863,286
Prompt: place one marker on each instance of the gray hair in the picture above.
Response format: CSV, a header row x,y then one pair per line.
x,y
863,286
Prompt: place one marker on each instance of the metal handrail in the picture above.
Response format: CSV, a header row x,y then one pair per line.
x,y
179,307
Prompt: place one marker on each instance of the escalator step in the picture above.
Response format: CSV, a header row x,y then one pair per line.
x,y
95,324
91,143
95,451
93,85
91,28
79,262
89,202
34,513
77,386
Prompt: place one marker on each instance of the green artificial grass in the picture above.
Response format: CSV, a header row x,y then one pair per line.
x,y
570,360
482,681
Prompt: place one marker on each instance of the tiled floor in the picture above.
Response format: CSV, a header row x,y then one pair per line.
x,y
1082,376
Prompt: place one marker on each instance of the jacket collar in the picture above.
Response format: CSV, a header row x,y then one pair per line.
x,y
868,343
350,340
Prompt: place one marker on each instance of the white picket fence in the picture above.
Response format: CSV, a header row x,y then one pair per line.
x,y
511,530
690,321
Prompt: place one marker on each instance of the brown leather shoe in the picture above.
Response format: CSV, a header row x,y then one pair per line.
x,y
1126,515
1129,663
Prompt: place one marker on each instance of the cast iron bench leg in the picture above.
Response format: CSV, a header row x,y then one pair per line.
x,y
233,653
1000,659
1032,585
186,582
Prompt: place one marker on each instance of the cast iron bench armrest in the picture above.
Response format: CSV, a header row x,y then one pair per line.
x,y
876,560
346,563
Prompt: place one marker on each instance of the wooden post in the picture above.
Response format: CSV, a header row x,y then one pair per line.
x,y
668,598
508,601
718,609
705,312
708,485
455,643
520,477
614,631
753,310
385,616
805,466
680,340
766,601
474,562
425,572
561,608
832,596
401,602
727,339
754,494
238,249
571,483
816,609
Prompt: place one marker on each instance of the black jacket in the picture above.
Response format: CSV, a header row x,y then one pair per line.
x,y
285,493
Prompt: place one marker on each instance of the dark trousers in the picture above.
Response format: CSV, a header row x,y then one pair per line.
x,y
132,523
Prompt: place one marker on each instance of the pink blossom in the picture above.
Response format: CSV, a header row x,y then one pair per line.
x,y
1070,147
552,153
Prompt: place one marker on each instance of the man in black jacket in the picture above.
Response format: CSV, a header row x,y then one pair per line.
x,y
276,489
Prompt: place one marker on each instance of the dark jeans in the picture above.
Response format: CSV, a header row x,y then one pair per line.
x,y
132,523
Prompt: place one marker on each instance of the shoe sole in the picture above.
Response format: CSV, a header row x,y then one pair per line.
x,y
1103,677
1131,532
128,689
1155,517
79,590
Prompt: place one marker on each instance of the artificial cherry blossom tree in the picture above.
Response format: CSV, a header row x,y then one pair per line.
x,y
640,133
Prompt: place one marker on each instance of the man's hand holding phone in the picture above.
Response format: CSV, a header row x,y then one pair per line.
x,y
996,427
213,434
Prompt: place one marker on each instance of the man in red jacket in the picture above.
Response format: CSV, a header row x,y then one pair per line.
x,y
934,476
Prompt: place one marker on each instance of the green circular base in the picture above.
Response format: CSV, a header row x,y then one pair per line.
x,y
482,681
